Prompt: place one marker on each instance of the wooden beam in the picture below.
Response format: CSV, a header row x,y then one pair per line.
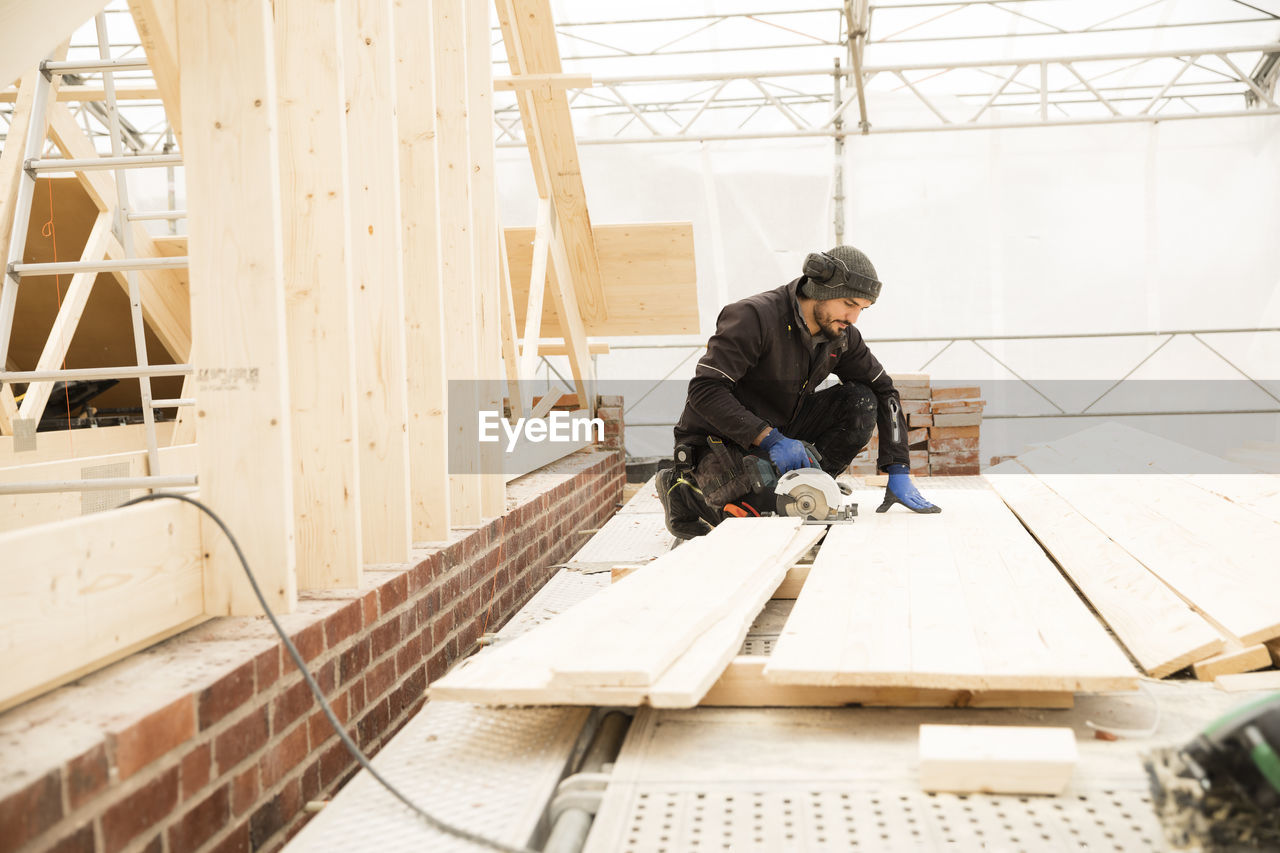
x,y
453,159
537,279
530,81
423,287
237,298
83,592
648,272
79,94
516,390
318,294
593,348
29,32
156,22
25,510
996,759
1235,659
484,247
377,270
564,298
530,38
74,443
64,325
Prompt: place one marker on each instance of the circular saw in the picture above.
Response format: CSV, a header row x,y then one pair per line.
x,y
814,495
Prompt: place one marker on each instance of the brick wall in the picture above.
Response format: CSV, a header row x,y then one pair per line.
x,y
212,742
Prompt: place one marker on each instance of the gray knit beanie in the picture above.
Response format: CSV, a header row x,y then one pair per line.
x,y
842,273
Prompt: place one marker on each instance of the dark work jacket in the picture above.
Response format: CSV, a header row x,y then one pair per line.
x,y
759,367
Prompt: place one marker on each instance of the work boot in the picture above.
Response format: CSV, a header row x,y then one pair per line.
x,y
683,508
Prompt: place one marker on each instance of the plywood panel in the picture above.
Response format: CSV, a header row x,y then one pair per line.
x,y
647,272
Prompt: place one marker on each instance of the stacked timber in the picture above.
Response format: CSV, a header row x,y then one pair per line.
x,y
942,429
1181,566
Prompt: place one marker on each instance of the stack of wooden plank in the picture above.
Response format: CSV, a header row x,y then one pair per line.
x,y
1180,565
942,429
961,608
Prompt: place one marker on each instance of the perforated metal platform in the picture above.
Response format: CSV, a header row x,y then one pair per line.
x,y
845,779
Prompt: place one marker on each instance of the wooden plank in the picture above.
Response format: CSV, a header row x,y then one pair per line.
x,y
537,278
376,264
27,510
647,271
1162,633
642,630
427,394
563,297
744,685
29,32
237,298
793,582
82,592
964,600
64,325
318,294
457,274
957,420
516,390
68,444
156,22
1249,681
1209,551
1235,659
945,432
687,680
965,392
530,38
485,246
81,94
996,759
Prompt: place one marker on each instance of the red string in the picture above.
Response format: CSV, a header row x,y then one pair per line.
x,y
52,233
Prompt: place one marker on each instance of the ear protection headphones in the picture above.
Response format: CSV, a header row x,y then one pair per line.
x,y
822,268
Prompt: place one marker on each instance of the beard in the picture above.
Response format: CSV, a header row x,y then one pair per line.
x,y
831,328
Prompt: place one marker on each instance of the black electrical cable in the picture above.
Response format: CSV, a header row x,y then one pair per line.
x,y
429,819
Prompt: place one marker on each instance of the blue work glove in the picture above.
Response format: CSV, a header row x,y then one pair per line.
x,y
786,454
902,491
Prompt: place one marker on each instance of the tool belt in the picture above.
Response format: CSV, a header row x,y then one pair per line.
x,y
726,474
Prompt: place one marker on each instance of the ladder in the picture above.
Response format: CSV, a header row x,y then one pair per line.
x,y
33,164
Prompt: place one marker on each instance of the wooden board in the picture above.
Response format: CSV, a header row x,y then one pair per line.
x,y
654,638
19,511
82,592
1213,553
648,274
237,299
1235,659
996,759
744,685
318,289
961,600
1269,680
58,445
1158,628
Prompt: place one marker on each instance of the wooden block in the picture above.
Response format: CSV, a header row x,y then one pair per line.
x,y
919,458
914,392
793,582
968,392
954,458
957,469
1241,681
876,480
958,406
1235,658
914,420
952,445
942,431
996,759
915,407
903,380
972,419
917,436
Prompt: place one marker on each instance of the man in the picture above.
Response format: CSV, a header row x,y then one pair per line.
x,y
752,399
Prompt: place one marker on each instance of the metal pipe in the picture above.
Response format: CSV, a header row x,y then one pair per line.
x,y
95,373
104,484
133,161
122,265
86,66
569,832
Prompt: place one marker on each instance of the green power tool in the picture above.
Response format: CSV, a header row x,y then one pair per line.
x,y
1222,791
